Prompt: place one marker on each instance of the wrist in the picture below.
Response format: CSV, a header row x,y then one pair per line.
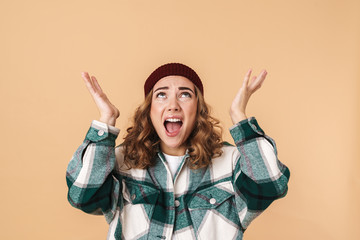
x,y
238,117
108,121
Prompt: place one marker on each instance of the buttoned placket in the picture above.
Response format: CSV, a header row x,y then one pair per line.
x,y
176,202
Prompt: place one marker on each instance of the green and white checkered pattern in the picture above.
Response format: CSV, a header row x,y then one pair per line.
x,y
217,202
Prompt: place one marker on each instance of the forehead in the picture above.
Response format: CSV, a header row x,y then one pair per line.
x,y
174,81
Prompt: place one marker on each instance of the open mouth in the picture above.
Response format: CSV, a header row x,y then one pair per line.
x,y
173,125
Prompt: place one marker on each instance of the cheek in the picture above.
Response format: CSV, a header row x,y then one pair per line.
x,y
155,115
194,109
192,113
152,114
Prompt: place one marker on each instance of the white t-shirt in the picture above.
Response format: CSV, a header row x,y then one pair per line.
x,y
173,163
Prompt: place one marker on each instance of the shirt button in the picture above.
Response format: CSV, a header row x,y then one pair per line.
x,y
177,203
133,197
212,200
101,132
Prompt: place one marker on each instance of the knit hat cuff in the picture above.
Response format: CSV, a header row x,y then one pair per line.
x,y
170,69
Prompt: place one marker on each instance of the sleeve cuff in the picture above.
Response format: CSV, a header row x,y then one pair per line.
x,y
245,130
100,132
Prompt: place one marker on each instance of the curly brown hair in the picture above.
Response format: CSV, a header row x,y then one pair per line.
x,y
142,142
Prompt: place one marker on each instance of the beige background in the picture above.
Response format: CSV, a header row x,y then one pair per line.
x,y
309,103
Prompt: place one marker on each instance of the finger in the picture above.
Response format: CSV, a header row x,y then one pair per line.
x,y
96,84
257,87
262,80
85,76
244,86
247,77
88,82
256,83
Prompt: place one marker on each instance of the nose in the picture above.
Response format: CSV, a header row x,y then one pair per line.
x,y
173,105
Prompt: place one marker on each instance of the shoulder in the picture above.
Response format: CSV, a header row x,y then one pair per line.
x,y
229,152
119,154
222,166
122,169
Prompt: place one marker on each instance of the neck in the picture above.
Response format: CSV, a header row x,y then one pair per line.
x,y
178,151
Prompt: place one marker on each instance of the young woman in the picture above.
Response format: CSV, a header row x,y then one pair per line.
x,y
172,177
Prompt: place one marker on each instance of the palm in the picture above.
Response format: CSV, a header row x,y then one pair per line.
x,y
238,106
108,112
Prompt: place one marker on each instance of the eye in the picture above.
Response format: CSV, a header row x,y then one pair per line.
x,y
160,95
185,95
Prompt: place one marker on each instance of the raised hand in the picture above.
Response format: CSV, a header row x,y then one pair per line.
x,y
108,112
238,106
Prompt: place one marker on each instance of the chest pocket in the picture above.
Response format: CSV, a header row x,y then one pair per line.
x,y
212,197
212,210
136,193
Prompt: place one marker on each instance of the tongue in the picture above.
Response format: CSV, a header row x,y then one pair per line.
x,y
172,126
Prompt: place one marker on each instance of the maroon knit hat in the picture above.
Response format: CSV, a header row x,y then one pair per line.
x,y
170,69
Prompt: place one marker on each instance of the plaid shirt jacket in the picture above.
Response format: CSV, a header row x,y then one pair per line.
x,y
217,202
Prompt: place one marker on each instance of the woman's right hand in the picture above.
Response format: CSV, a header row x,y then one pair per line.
x,y
108,112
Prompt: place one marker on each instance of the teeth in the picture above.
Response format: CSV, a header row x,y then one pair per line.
x,y
173,120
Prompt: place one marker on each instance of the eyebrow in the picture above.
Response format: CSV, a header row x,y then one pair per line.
x,y
160,88
180,88
186,88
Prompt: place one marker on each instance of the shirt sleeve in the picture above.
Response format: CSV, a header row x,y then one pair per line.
x,y
259,177
92,186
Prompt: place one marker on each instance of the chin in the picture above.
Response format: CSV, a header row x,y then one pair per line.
x,y
173,145
176,145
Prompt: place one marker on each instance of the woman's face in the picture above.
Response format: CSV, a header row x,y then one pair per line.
x,y
173,112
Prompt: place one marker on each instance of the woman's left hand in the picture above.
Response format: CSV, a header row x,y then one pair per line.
x,y
238,106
